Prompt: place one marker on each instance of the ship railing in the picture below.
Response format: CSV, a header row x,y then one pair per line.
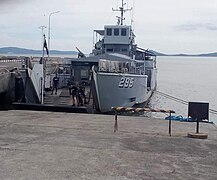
x,y
120,67
4,70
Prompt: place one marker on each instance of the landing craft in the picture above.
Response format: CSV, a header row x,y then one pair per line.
x,y
121,73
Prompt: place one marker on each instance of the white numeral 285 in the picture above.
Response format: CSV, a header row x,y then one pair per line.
x,y
126,82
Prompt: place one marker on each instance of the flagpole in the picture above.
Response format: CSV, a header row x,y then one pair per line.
x,y
44,71
43,50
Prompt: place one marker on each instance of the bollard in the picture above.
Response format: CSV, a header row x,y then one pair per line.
x,y
197,127
170,124
116,122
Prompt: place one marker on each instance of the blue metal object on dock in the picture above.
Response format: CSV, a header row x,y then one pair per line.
x,y
184,119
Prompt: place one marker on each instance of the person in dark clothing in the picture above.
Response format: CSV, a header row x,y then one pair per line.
x,y
74,93
82,94
55,84
80,99
69,84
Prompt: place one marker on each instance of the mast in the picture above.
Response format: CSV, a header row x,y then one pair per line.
x,y
122,10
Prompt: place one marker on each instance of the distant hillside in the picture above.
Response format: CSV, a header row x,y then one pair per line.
x,y
16,50
201,55
181,55
158,53
23,51
209,54
196,55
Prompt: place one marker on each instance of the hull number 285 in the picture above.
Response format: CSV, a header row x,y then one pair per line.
x,y
126,82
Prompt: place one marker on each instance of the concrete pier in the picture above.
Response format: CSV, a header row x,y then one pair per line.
x,y
48,145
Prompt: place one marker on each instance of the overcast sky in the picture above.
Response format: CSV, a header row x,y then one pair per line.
x,y
167,26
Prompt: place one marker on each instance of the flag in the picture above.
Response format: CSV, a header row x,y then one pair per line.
x,y
45,46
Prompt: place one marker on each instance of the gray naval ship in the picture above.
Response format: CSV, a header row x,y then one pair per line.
x,y
121,73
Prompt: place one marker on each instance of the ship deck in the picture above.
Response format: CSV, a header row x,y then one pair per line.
x,y
60,102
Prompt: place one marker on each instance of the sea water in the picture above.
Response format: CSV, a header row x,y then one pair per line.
x,y
192,79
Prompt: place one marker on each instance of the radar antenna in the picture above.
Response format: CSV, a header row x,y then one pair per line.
x,y
122,10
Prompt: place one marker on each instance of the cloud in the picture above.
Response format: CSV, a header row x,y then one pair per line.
x,y
211,27
158,26
10,1
7,6
188,27
196,26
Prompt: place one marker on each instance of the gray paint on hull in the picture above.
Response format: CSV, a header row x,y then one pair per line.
x,y
109,93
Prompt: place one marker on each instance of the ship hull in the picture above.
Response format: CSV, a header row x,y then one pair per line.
x,y
119,90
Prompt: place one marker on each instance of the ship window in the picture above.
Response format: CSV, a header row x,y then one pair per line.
x,y
123,32
116,50
73,72
124,50
116,32
67,70
109,32
84,73
109,50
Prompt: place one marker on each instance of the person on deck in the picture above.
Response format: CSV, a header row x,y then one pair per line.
x,y
74,93
81,95
55,84
69,84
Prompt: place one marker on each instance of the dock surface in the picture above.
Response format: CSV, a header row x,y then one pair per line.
x,y
51,145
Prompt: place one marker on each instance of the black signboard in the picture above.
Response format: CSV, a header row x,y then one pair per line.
x,y
198,111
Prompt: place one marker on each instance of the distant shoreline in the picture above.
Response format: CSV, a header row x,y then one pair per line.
x,y
15,51
75,55
37,55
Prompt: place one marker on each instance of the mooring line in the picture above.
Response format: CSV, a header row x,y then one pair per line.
x,y
172,97
212,111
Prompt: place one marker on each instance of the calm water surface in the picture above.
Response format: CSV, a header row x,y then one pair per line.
x,y
187,78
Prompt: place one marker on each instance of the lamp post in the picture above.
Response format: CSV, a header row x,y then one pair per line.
x,y
49,28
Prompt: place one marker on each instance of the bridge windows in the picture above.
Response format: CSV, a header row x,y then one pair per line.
x,y
123,32
116,32
110,50
109,31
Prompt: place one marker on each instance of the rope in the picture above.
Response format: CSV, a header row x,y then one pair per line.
x,y
172,97
212,111
128,109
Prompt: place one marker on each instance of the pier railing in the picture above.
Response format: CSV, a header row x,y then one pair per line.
x,y
131,109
